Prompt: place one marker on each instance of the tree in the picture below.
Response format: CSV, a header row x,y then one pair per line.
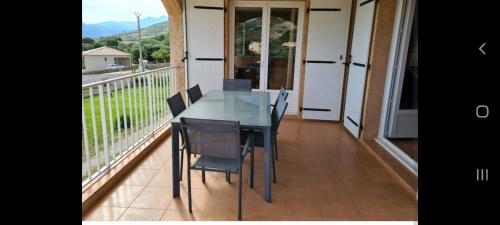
x,y
161,54
111,41
88,40
97,45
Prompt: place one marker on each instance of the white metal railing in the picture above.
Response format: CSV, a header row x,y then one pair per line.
x,y
118,114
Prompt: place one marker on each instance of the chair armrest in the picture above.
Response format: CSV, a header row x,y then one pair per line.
x,y
248,143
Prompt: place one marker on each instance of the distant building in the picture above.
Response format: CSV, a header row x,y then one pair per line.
x,y
97,59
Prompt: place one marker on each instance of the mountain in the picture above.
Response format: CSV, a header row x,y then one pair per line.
x,y
146,32
109,28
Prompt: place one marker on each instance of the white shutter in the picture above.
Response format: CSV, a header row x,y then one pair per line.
x,y
205,43
327,43
360,50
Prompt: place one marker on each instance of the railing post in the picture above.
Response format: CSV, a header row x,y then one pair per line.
x,y
157,108
150,105
118,118
125,122
135,107
94,128
85,139
111,126
132,135
141,106
103,123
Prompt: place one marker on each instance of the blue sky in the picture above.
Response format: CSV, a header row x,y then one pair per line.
x,y
96,11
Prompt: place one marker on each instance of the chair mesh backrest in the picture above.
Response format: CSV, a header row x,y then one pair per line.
x,y
194,93
278,113
237,85
217,138
283,95
176,104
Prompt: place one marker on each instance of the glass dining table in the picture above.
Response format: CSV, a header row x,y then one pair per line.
x,y
253,111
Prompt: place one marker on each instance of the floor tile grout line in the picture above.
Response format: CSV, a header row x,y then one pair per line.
x,y
132,202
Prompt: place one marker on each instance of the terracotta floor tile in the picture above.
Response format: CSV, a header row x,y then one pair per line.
x,y
396,192
262,218
405,211
380,175
122,196
317,179
162,179
220,216
105,214
339,210
140,177
255,205
302,208
199,201
133,214
153,162
181,215
153,198
223,202
375,209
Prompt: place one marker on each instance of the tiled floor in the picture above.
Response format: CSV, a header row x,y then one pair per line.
x,y
323,174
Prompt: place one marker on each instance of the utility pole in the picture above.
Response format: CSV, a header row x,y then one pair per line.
x,y
141,63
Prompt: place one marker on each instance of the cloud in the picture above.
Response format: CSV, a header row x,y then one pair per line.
x,y
95,11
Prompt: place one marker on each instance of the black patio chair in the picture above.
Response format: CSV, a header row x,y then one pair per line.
x,y
194,93
282,93
276,117
217,142
177,106
237,85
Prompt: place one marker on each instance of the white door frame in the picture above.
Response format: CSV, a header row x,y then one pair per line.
x,y
399,74
399,23
266,5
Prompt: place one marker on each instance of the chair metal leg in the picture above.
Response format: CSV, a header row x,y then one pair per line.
x,y
189,184
203,176
275,146
228,177
274,167
251,168
240,192
182,157
182,162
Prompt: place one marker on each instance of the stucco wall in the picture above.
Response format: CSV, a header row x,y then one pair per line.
x,y
176,38
93,63
379,57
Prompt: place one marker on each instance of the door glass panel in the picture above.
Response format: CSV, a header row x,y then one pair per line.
x,y
282,47
247,44
409,93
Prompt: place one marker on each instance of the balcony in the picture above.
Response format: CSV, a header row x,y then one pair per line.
x,y
318,178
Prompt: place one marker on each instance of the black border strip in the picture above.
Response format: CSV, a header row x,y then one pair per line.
x,y
209,7
209,59
319,61
359,64
352,121
316,109
366,2
324,9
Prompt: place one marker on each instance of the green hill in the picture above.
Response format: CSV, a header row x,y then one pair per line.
x,y
146,32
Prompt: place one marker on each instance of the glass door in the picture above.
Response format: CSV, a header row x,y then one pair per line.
x,y
282,48
247,55
265,46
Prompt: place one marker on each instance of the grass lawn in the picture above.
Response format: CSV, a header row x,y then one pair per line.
x,y
121,96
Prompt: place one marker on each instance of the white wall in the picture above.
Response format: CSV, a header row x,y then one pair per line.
x,y
93,63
